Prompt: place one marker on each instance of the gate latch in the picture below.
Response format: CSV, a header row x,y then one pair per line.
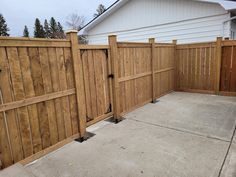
x,y
111,76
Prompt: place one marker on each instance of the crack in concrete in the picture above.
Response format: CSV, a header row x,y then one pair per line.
x,y
227,153
179,130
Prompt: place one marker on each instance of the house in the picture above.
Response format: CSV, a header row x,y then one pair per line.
x,y
185,20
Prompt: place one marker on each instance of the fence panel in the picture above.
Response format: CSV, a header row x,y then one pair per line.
x,y
164,69
196,67
228,67
134,75
38,104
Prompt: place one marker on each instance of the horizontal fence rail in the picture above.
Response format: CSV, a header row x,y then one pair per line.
x,y
51,90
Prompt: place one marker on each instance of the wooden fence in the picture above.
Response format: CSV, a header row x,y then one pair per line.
x,y
196,67
143,73
228,68
38,104
207,67
51,90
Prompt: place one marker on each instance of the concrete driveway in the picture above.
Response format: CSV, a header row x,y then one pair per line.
x,y
183,135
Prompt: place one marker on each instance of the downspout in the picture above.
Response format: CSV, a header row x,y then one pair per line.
x,y
226,21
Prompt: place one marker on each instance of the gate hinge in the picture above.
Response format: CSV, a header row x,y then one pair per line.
x,y
106,52
111,76
109,109
82,52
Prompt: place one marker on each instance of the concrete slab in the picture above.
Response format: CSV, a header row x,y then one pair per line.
x,y
135,149
16,170
207,115
229,169
184,135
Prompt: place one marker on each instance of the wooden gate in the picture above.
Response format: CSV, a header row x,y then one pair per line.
x,y
95,62
228,69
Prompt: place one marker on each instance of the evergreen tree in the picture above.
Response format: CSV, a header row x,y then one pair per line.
x,y
3,26
47,29
61,33
26,32
38,29
53,28
100,10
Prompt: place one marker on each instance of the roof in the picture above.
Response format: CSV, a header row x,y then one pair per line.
x,y
227,5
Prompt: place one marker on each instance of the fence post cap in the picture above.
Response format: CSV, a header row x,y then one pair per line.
x,y
71,31
151,40
112,35
175,41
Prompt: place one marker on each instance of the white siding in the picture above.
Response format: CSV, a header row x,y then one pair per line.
x,y
198,30
233,30
185,20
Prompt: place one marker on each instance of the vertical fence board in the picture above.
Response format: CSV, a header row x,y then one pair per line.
x,y
71,85
5,150
29,93
39,90
56,88
47,84
12,122
18,91
63,86
233,71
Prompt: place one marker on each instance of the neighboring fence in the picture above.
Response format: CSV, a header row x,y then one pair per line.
x,y
196,67
51,90
228,68
207,67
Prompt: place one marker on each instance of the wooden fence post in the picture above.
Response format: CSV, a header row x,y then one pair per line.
x,y
176,75
115,83
218,56
79,84
152,42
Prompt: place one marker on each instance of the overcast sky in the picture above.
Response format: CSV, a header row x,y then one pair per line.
x,y
23,12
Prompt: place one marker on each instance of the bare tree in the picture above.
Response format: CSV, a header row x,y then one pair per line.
x,y
75,21
100,10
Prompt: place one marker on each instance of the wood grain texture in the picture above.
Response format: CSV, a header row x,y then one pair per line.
x,y
95,71
196,67
145,72
228,69
38,108
18,94
12,120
